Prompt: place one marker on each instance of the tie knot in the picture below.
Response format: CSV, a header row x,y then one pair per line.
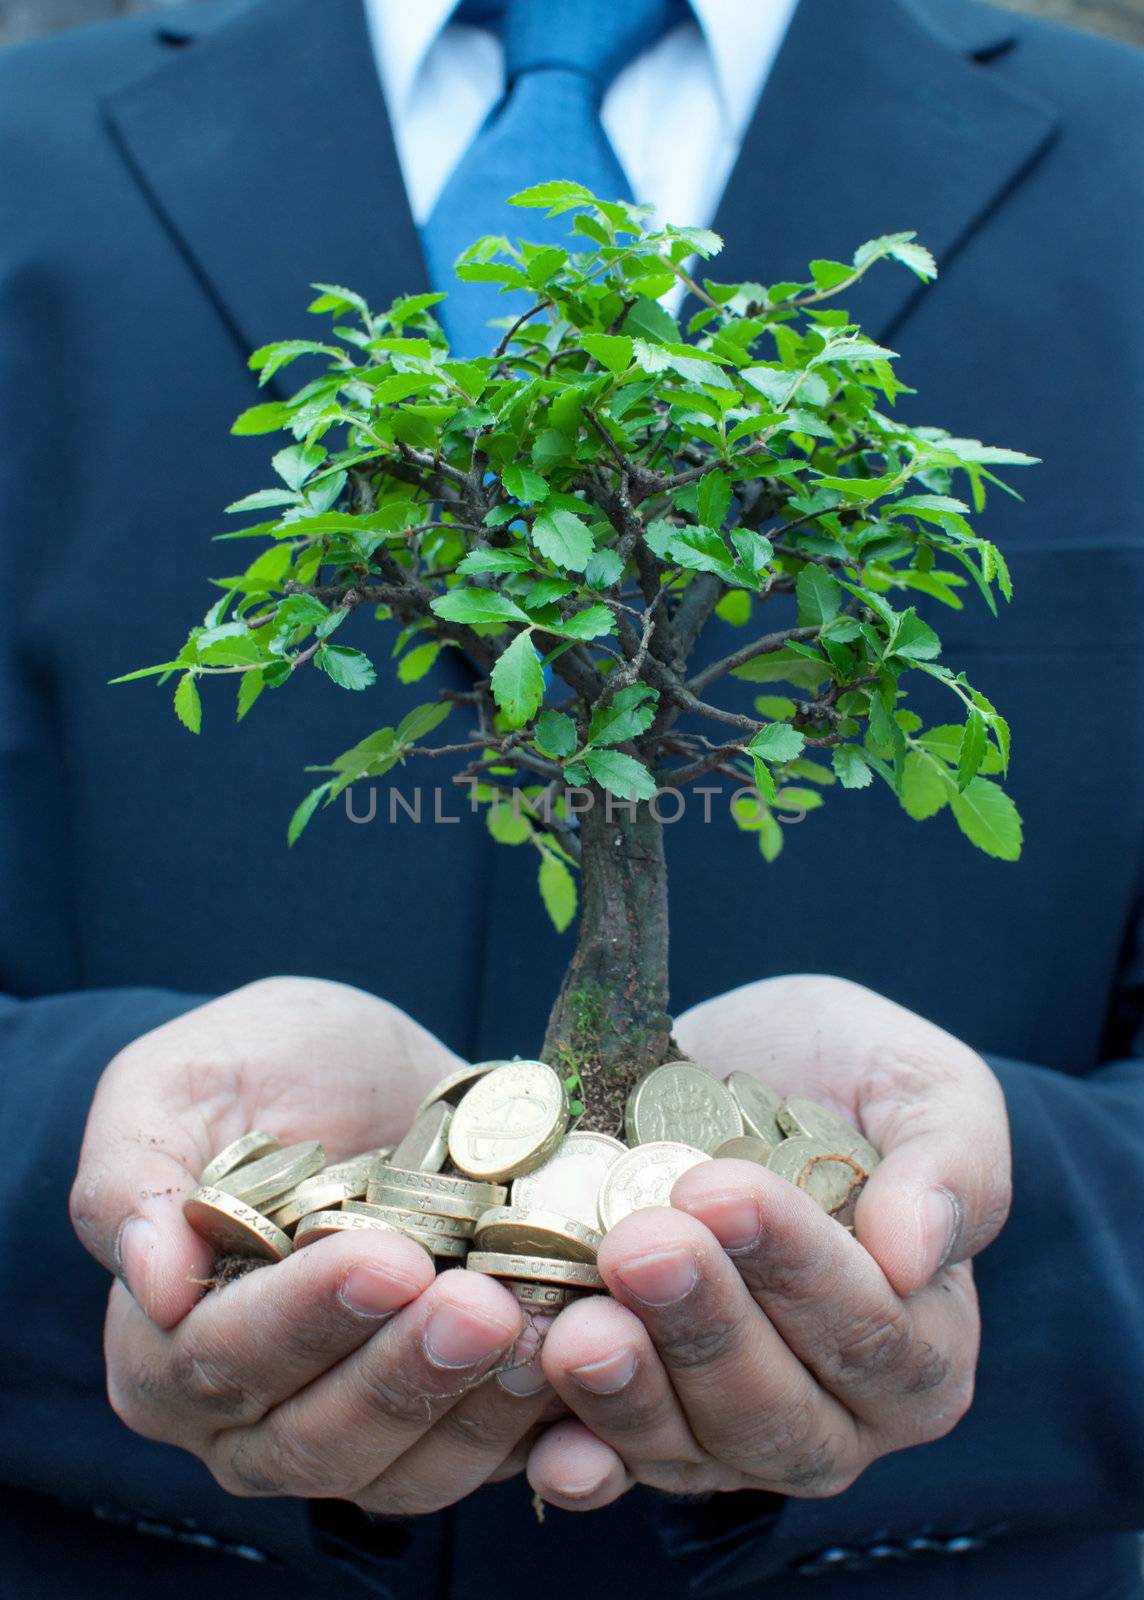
x,y
594,37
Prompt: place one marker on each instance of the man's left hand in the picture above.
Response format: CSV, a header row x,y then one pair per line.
x,y
752,1342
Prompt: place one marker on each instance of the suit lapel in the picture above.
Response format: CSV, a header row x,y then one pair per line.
x,y
264,145
878,116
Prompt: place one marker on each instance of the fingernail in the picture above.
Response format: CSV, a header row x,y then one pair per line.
x,y
661,1277
375,1294
940,1217
523,1380
733,1219
137,1241
609,1375
454,1337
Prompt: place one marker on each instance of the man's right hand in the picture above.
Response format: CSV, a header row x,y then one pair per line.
x,y
347,1370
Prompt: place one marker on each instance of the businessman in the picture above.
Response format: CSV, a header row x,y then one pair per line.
x,y
170,188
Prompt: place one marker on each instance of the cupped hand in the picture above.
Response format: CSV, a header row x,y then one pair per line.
x,y
752,1342
346,1370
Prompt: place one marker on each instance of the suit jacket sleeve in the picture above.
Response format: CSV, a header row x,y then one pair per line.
x,y
1055,1436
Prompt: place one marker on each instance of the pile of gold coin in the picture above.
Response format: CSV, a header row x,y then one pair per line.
x,y
491,1176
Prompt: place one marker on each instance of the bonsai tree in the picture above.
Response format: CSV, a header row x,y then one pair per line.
x,y
571,512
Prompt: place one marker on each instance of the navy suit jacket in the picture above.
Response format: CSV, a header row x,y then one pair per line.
x,y
169,188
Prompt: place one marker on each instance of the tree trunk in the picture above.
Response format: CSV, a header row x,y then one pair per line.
x,y
610,1023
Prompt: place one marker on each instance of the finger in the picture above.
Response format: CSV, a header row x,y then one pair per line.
x,y
941,1192
471,1442
600,1359
247,1348
893,1364
749,1400
141,1155
572,1469
341,1432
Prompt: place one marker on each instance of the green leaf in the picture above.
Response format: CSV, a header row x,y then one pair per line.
x,y
926,787
901,247
989,819
263,419
558,194
945,742
591,623
298,462
735,608
415,724
304,812
525,485
851,350
851,766
604,569
913,638
564,539
188,706
829,275
349,669
507,822
620,774
477,606
413,667
262,498
630,712
612,351
555,734
518,681
713,499
777,742
819,596
557,890
972,749
250,686
493,561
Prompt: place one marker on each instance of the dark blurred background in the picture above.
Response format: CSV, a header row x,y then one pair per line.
x,y
21,19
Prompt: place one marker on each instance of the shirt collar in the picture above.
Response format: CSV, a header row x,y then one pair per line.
x,y
404,32
742,37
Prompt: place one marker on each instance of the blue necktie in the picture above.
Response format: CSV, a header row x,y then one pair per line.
x,y
560,57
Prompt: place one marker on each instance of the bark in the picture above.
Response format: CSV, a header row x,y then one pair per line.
x,y
610,1022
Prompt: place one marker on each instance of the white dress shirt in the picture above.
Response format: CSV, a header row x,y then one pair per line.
x,y
675,116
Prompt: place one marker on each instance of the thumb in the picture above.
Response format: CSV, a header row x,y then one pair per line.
x,y
941,1192
137,1164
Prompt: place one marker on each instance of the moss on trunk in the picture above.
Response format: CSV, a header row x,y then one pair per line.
x,y
610,1022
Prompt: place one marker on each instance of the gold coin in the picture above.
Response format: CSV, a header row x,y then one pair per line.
x,y
514,1230
509,1122
745,1148
541,1296
682,1103
320,1224
757,1104
827,1175
806,1119
271,1178
385,1174
538,1269
570,1180
426,1145
233,1227
454,1087
423,1221
354,1170
438,1205
439,1244
645,1177
316,1194
235,1154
